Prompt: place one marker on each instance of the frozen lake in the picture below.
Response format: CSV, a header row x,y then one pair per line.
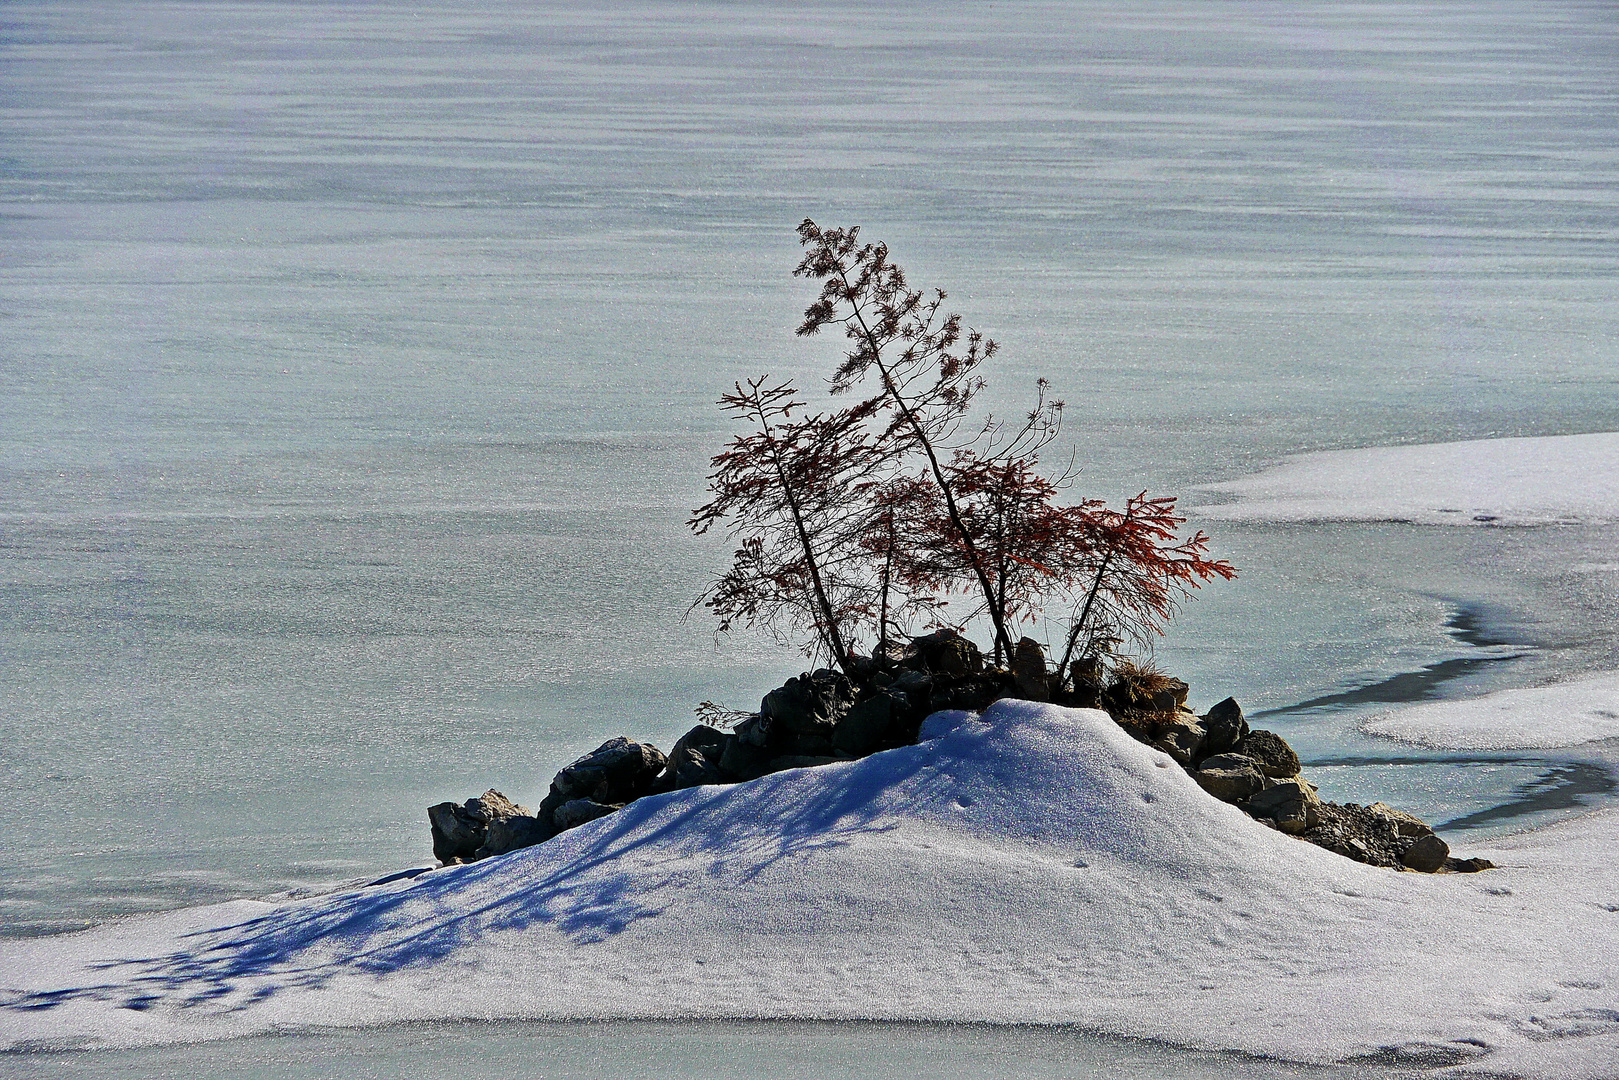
x,y
359,365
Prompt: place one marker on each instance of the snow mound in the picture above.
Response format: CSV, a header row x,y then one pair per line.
x,y
1035,865
1580,711
1563,479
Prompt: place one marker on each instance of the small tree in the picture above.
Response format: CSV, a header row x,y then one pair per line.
x,y
792,491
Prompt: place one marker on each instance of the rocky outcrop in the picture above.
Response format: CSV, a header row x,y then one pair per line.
x,y
823,717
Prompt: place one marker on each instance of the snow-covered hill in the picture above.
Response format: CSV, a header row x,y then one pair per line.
x,y
1034,865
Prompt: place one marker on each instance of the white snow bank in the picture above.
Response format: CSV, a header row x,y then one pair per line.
x,y
1567,714
1558,479
1038,865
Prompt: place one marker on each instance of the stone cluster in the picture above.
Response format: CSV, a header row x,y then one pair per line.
x,y
825,716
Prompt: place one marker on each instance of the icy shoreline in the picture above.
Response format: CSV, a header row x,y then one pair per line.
x,y
1035,866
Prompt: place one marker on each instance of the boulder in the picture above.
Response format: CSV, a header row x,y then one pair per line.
x,y
1292,804
945,652
744,761
1407,825
1169,698
810,704
756,730
1029,675
618,771
1454,865
460,831
575,812
510,833
872,724
1426,854
1276,758
1230,777
1225,727
1182,739
690,767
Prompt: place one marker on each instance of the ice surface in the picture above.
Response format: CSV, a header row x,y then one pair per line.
x,y
1567,714
1036,865
1532,481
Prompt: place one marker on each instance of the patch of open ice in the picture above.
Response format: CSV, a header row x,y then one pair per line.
x,y
1037,866
1567,714
1529,481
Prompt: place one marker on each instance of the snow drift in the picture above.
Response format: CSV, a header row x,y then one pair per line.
x,y
1541,717
1563,479
1035,865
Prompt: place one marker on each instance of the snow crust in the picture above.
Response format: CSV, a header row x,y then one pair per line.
x,y
1567,714
1034,865
1563,479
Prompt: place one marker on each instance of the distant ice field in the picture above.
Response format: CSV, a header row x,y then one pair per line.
x,y
1559,480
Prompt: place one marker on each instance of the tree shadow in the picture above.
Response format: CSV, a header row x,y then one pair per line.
x,y
587,885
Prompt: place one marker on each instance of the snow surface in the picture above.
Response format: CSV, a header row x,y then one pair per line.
x,y
1567,714
1563,479
1037,865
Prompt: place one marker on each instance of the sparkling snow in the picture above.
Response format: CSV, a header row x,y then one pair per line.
x,y
1564,479
1037,865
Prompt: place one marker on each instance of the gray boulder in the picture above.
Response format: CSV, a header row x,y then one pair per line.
x,y
1029,676
575,812
689,767
871,724
459,831
1276,758
1182,739
945,652
1292,804
510,833
809,704
1407,825
1225,727
1426,854
1230,777
744,761
618,771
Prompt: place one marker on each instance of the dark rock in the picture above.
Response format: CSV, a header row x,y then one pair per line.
x,y
706,740
460,831
756,730
872,724
945,652
1292,804
1467,866
1426,854
975,693
1029,675
618,771
744,761
1170,698
1359,833
1407,825
510,833
809,704
690,767
915,685
1270,750
1225,727
1182,739
575,812
1230,777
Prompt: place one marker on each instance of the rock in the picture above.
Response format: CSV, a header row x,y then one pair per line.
x,y
510,833
618,771
1359,833
755,730
1182,739
706,740
1292,804
872,724
1029,671
1270,750
945,652
744,761
1467,866
1225,727
915,685
1404,824
1230,777
1426,854
1170,698
575,812
690,767
460,831
809,704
